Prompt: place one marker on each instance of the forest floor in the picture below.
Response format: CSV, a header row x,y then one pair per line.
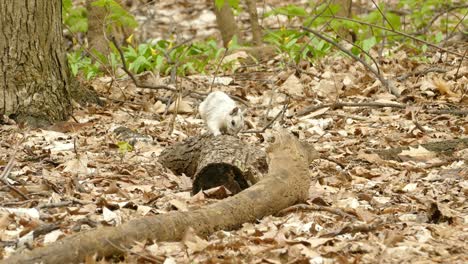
x,y
409,207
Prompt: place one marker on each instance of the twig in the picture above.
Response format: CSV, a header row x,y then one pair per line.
x,y
421,72
397,32
16,190
135,81
459,65
7,170
44,229
455,27
285,107
429,24
126,250
314,207
8,167
383,15
363,51
416,123
380,77
339,105
217,68
452,112
353,229
310,109
54,205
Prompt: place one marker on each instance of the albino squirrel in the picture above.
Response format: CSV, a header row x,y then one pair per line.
x,y
221,114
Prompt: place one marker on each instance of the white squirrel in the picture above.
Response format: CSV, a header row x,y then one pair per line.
x,y
221,114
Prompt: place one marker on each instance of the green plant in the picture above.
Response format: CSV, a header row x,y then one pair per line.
x,y
117,15
163,56
74,17
124,147
296,44
79,63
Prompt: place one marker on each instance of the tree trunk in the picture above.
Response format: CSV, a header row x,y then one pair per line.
x,y
97,29
255,26
34,75
226,23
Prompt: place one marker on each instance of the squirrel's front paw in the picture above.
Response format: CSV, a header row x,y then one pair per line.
x,y
216,133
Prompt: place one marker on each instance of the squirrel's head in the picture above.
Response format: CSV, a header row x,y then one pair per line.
x,y
235,121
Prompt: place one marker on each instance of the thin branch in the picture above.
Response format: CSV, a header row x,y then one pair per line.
x,y
135,81
355,228
380,77
421,72
313,108
217,67
285,107
398,33
383,15
459,65
439,14
310,109
314,207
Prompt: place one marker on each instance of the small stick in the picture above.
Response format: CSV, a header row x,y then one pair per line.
x,y
339,105
314,207
135,81
459,65
421,72
285,107
353,229
217,68
416,123
380,77
397,32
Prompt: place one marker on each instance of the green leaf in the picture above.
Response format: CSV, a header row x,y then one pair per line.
x,y
219,4
367,44
140,64
424,48
124,147
439,37
291,11
394,20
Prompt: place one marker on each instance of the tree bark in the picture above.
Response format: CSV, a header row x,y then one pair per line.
x,y
97,29
255,26
34,77
226,23
287,183
215,161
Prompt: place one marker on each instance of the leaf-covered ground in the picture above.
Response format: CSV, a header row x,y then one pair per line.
x,y
363,207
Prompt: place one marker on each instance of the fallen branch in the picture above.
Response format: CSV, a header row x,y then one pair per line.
x,y
444,147
313,108
286,184
422,72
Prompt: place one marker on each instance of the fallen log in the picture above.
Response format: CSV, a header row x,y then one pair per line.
x,y
446,147
287,183
215,161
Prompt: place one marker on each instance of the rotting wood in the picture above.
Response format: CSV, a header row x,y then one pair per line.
x,y
287,183
215,161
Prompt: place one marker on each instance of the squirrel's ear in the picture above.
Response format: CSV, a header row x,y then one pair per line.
x,y
234,111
